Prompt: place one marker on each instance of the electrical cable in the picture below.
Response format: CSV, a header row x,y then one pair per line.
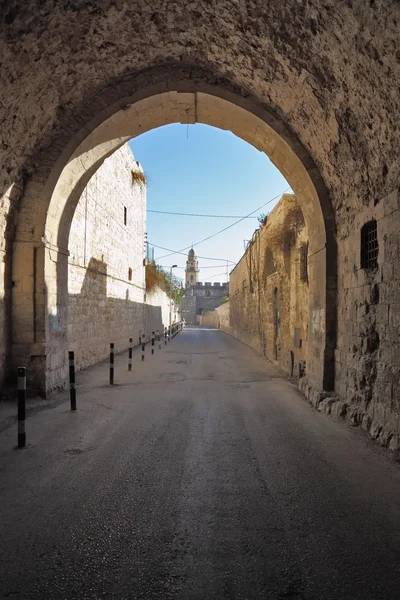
x,y
225,228
182,214
207,267
184,254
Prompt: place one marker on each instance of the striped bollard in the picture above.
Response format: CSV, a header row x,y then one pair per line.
x,y
165,336
111,364
72,388
152,341
130,355
143,345
21,406
158,339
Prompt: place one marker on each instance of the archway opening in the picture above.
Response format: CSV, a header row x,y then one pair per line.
x,y
41,339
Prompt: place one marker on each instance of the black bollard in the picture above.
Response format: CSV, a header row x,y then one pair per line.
x,y
143,345
165,336
72,388
130,355
158,339
152,342
21,406
111,364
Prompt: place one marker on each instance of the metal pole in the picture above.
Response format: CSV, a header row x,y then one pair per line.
x,y
158,339
143,345
130,355
170,298
21,406
111,364
72,388
165,336
152,342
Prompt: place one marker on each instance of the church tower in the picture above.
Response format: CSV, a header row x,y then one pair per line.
x,y
192,270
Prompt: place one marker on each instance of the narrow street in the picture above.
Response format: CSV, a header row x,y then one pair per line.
x,y
203,474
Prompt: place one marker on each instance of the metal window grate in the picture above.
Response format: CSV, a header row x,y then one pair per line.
x,y
304,263
369,246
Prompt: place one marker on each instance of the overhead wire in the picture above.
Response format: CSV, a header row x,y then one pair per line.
x,y
182,214
224,229
184,254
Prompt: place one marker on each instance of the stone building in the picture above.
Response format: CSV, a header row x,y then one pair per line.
x,y
269,293
192,270
199,297
106,273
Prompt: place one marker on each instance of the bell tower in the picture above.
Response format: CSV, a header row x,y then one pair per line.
x,y
192,270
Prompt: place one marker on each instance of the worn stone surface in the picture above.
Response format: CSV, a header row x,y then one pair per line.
x,y
269,303
219,318
105,264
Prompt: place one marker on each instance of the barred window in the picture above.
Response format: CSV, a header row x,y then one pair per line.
x,y
304,262
369,246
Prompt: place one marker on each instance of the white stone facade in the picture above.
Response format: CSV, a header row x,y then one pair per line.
x,y
106,275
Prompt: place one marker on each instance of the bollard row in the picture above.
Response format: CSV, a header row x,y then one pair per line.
x,y
169,333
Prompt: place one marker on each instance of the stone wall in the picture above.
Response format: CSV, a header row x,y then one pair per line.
x,y
105,270
219,318
201,298
268,300
367,359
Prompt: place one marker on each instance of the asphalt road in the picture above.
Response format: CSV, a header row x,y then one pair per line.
x,y
201,475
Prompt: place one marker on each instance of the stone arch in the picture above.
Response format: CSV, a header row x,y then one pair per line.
x,y
40,267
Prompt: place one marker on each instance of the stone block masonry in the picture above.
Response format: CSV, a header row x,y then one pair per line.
x,y
106,275
269,294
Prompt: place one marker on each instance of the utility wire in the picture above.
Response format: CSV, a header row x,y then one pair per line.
x,y
182,214
206,267
184,254
225,228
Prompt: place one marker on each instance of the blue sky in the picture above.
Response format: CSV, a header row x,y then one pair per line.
x,y
200,169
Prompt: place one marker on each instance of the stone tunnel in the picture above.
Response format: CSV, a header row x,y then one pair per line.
x,y
314,85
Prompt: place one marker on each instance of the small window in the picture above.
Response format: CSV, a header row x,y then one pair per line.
x,y
125,215
130,274
269,262
369,246
304,262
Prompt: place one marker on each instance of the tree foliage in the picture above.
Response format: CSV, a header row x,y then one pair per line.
x,y
156,276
